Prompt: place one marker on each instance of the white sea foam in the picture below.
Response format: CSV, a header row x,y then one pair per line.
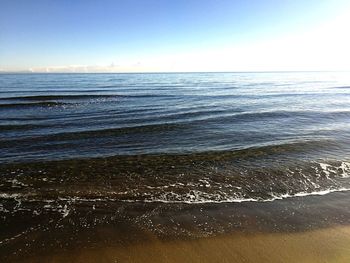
x,y
343,169
65,211
11,196
192,197
325,168
207,198
346,169
196,192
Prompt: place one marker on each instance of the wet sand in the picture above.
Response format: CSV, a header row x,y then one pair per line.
x,y
298,229
323,245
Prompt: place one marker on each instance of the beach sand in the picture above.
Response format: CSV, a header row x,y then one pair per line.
x,y
323,245
301,229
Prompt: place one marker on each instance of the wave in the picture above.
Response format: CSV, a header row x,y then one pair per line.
x,y
127,93
195,178
59,97
80,96
283,114
99,133
193,199
33,104
317,179
20,127
138,120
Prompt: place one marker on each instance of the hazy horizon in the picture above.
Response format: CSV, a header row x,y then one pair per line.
x,y
176,72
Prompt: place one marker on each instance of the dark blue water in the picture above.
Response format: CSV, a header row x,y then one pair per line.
x,y
191,137
63,116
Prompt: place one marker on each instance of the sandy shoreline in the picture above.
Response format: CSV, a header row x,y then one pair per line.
x,y
323,245
299,229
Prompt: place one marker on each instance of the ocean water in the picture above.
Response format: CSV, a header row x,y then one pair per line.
x,y
176,138
91,160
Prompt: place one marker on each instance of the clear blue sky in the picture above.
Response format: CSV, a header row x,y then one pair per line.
x,y
164,35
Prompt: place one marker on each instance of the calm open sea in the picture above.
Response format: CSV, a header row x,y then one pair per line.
x,y
194,137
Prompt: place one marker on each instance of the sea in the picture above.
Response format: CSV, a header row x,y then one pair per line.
x,y
75,144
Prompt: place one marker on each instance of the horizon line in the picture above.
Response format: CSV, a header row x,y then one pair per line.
x,y
172,72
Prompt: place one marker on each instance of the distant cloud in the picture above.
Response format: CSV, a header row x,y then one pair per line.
x,y
84,69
